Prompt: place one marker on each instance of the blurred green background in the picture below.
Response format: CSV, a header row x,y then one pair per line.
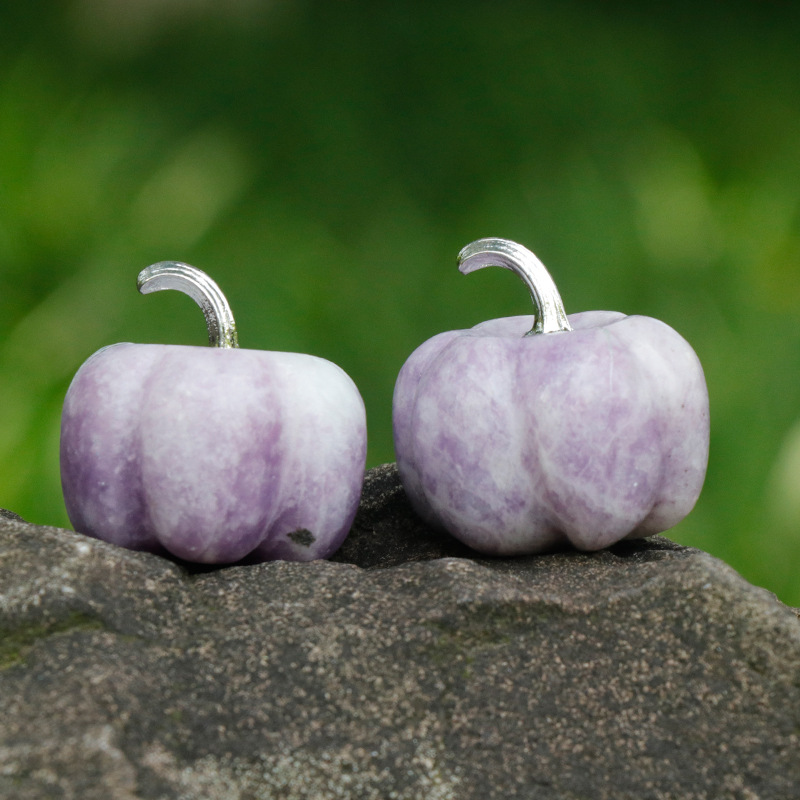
x,y
325,161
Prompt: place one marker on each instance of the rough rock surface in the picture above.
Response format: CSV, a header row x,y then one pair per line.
x,y
407,668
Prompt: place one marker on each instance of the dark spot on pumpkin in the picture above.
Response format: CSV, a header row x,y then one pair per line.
x,y
302,537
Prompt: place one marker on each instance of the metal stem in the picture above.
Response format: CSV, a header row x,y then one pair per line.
x,y
192,281
549,315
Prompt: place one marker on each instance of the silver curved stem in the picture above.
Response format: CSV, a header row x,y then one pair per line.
x,y
203,290
549,315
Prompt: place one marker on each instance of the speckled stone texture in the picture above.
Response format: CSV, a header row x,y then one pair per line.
x,y
420,671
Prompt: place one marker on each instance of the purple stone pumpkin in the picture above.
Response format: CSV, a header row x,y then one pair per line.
x,y
213,454
522,435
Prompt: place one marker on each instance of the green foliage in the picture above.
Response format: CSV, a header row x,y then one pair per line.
x,y
325,162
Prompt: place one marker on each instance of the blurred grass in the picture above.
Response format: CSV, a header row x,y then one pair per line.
x,y
325,162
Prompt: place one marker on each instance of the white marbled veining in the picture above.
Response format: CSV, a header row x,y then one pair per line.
x,y
213,454
518,444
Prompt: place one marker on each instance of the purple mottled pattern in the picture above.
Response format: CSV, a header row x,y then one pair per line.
x,y
212,454
520,444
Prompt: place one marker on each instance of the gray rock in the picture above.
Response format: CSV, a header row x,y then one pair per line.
x,y
407,668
